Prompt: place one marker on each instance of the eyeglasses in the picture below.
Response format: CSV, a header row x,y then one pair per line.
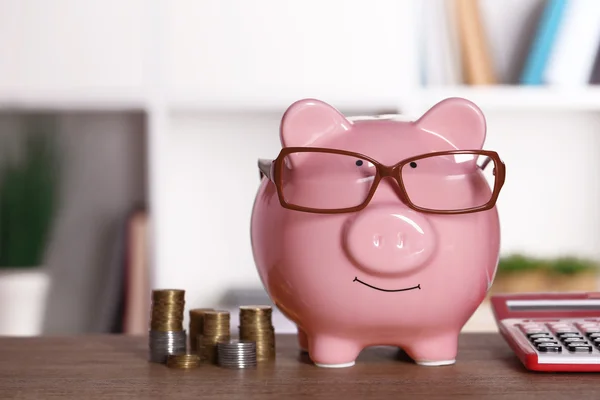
x,y
331,181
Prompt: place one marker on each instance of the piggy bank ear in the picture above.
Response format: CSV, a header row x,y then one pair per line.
x,y
307,120
456,120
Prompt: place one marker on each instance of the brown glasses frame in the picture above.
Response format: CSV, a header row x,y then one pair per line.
x,y
271,169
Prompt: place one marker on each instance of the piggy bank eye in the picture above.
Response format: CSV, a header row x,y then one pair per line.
x,y
359,163
413,164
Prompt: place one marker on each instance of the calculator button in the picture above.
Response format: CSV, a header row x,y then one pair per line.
x,y
565,335
594,335
539,335
579,348
572,337
574,342
528,327
549,347
591,330
544,340
531,332
532,325
560,325
565,330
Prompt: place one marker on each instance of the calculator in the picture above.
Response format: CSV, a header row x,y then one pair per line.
x,y
554,332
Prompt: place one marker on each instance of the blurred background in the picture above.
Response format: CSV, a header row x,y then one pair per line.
x,y
130,132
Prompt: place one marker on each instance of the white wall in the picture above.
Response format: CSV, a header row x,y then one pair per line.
x,y
210,185
72,49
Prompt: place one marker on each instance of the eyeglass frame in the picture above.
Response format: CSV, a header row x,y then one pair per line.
x,y
271,169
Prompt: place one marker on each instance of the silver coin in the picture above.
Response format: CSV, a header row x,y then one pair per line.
x,y
166,343
234,357
237,354
238,366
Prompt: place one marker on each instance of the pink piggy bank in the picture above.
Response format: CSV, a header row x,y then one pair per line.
x,y
376,231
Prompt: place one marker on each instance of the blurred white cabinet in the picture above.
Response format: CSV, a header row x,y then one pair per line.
x,y
72,51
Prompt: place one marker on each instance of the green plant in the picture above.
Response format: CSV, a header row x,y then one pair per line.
x,y
566,265
572,265
517,263
28,202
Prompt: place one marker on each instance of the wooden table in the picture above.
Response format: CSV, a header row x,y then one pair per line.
x,y
115,367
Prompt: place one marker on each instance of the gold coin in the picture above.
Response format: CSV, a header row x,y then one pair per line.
x,y
196,325
256,308
207,347
167,310
256,325
168,295
183,361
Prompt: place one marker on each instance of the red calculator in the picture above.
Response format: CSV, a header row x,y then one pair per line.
x,y
551,331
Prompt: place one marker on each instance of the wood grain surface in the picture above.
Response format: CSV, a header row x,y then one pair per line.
x,y
115,367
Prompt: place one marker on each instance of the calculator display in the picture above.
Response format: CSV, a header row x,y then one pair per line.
x,y
553,305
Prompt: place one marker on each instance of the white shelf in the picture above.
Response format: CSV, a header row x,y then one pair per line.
x,y
511,97
211,103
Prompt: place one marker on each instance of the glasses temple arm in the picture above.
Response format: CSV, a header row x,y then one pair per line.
x,y
264,167
485,163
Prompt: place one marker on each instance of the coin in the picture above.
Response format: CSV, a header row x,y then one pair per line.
x,y
167,310
196,325
164,344
237,354
183,361
216,328
166,335
168,295
256,326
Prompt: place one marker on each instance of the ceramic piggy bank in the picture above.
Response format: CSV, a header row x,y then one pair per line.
x,y
378,231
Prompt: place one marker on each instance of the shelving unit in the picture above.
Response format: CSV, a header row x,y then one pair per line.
x,y
508,97
216,76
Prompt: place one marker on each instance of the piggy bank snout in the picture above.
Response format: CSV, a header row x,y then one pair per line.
x,y
389,241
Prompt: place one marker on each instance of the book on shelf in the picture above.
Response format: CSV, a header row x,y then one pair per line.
x,y
136,283
563,49
439,44
576,46
541,47
477,61
595,77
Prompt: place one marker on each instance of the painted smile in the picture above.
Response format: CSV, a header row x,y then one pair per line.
x,y
386,290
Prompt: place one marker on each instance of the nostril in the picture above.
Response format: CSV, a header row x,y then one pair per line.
x,y
400,242
378,240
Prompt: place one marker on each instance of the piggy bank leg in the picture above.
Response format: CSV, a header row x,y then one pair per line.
x,y
333,352
434,350
302,340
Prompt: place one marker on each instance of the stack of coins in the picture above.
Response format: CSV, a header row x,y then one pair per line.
x,y
216,329
256,326
196,326
167,335
183,361
237,354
